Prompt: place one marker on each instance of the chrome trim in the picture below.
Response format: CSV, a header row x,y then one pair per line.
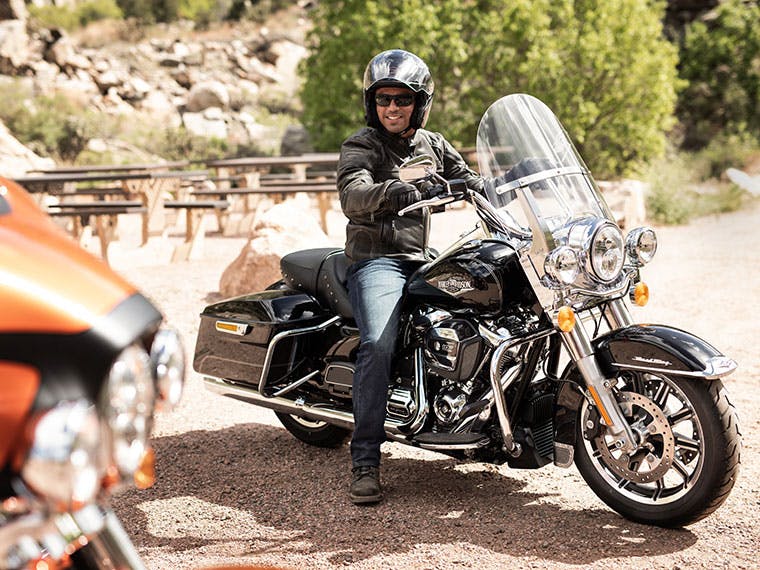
x,y
284,334
295,384
499,385
339,418
617,314
579,346
455,446
538,176
716,367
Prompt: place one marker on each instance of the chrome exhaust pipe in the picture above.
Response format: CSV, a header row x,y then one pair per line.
x,y
301,408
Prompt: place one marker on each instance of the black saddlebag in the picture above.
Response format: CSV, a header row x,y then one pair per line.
x,y
235,334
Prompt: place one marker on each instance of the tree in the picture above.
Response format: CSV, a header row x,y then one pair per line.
x,y
602,65
721,61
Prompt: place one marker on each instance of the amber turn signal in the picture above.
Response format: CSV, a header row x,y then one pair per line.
x,y
566,319
145,475
641,294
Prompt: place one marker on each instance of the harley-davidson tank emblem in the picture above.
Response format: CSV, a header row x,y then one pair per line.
x,y
652,361
455,285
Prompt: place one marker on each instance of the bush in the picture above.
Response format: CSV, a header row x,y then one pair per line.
x,y
53,126
720,59
77,17
603,66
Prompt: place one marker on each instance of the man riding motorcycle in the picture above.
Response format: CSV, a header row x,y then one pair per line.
x,y
384,248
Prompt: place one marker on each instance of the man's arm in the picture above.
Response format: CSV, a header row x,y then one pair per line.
x,y
359,193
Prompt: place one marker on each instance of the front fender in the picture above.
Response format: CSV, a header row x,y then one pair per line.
x,y
660,349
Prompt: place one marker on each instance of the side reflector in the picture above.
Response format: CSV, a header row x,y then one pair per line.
x,y
566,319
145,475
641,294
232,328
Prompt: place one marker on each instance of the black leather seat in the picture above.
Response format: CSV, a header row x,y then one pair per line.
x,y
321,273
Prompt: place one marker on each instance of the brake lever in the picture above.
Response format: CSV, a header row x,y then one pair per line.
x,y
438,201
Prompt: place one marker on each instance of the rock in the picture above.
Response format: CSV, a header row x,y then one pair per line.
x,y
208,94
13,46
295,141
199,125
13,10
626,199
744,181
284,228
62,52
16,159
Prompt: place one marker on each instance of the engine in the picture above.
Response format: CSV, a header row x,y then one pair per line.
x,y
453,347
453,351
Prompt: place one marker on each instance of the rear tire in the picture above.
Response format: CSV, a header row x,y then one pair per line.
x,y
689,453
316,433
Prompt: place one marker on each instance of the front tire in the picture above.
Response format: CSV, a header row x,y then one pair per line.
x,y
317,433
688,455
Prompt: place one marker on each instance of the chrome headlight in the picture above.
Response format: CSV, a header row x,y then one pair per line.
x,y
641,245
65,462
168,360
606,252
562,265
128,402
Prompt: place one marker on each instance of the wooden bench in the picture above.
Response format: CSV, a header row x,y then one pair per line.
x,y
195,210
104,215
279,190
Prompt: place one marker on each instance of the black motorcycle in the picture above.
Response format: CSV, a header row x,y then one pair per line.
x,y
516,343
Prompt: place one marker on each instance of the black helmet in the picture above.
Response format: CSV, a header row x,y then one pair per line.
x,y
398,68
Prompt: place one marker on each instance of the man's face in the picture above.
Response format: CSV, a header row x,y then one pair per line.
x,y
394,117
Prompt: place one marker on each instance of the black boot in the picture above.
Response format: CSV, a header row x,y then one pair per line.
x,y
365,485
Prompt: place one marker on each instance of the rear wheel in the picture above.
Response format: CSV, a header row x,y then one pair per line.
x,y
688,450
314,432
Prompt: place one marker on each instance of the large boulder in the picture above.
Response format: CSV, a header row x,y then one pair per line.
x,y
14,42
208,94
16,159
286,227
13,10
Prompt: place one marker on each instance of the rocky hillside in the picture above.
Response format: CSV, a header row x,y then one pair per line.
x,y
226,83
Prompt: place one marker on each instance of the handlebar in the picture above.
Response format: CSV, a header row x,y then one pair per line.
x,y
437,201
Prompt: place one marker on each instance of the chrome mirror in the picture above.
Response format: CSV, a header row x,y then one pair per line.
x,y
416,168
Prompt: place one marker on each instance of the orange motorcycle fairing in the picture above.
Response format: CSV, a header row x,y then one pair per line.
x,y
47,282
20,385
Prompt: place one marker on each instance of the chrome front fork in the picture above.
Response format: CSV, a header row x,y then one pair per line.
x,y
579,346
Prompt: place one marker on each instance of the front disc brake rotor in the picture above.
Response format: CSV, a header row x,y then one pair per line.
x,y
654,456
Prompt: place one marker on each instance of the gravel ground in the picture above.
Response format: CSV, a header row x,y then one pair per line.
x,y
235,488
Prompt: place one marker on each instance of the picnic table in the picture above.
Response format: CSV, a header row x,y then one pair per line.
x,y
134,190
257,180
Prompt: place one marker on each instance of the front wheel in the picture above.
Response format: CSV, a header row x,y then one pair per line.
x,y
687,458
317,433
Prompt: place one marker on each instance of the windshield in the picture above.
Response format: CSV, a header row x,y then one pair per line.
x,y
522,147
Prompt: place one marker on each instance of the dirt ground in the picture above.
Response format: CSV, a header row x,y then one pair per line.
x,y
235,488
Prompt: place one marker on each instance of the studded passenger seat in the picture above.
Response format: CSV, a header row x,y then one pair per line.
x,y
321,273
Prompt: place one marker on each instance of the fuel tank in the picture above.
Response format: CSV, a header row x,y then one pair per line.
x,y
484,275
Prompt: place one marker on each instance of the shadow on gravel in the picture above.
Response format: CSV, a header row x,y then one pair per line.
x,y
300,491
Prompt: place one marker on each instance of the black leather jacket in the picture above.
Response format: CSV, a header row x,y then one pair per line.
x,y
369,161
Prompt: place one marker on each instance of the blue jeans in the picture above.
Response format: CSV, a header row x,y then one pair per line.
x,y
375,288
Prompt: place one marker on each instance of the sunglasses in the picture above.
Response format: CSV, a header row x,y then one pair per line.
x,y
384,100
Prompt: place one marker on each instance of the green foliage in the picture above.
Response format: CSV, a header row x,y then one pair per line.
x,y
255,10
601,65
54,126
181,144
78,16
721,61
669,200
724,151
